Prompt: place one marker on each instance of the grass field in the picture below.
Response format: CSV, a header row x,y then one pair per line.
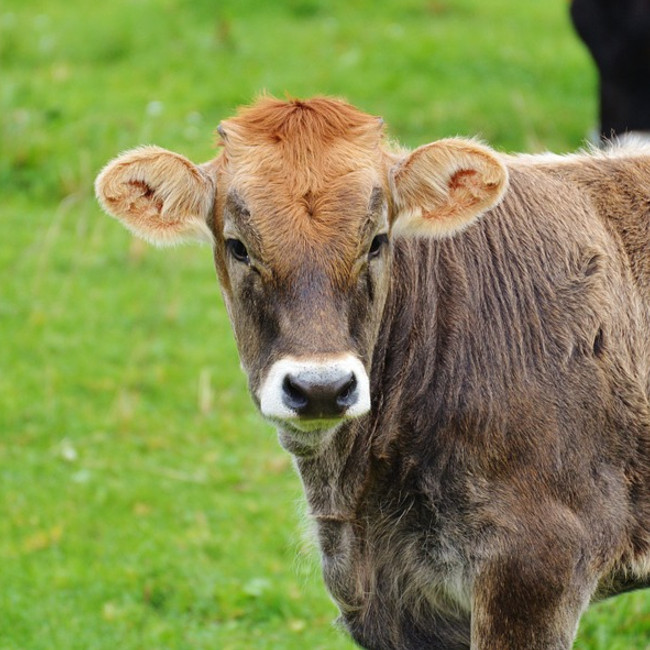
x,y
144,505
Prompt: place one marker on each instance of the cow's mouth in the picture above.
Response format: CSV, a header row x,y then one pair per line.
x,y
306,438
301,427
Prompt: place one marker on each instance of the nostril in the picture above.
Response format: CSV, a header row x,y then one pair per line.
x,y
293,395
320,395
347,393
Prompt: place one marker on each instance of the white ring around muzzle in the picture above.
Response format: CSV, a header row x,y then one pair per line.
x,y
321,369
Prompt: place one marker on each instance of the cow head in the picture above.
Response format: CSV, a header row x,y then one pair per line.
x,y
302,206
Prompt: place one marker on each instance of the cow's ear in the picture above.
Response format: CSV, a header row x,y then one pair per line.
x,y
441,188
158,195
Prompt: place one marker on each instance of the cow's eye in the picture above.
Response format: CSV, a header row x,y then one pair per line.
x,y
238,250
376,245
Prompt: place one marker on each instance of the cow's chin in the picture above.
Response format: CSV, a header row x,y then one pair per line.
x,y
307,437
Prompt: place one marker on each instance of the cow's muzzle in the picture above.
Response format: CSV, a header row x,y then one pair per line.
x,y
311,394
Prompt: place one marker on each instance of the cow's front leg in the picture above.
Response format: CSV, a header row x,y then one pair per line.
x,y
529,602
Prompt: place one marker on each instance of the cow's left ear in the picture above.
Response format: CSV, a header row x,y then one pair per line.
x,y
441,188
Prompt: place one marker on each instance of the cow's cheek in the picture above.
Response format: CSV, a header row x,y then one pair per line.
x,y
365,309
255,327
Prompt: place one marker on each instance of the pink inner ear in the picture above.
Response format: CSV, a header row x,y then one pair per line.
x,y
145,190
147,196
467,188
465,178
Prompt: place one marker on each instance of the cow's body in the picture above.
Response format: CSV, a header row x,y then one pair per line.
x,y
501,480
523,432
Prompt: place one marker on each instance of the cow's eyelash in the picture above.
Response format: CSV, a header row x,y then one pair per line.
x,y
237,249
378,242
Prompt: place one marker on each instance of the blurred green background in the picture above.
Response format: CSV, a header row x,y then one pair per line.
x,y
143,503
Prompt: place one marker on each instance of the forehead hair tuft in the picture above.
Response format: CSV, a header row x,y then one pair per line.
x,y
318,120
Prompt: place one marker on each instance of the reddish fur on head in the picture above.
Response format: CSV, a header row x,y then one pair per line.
x,y
304,168
319,121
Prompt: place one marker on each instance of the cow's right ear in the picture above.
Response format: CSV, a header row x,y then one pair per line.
x,y
158,195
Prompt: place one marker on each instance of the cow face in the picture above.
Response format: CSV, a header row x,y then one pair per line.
x,y
301,207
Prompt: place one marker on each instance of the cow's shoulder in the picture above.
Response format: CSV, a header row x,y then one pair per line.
x,y
613,183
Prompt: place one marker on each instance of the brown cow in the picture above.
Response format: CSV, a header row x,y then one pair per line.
x,y
469,414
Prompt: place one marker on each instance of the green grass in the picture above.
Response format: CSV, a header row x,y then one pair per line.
x,y
144,505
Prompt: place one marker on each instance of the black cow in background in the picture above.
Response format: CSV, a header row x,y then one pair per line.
x,y
617,33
